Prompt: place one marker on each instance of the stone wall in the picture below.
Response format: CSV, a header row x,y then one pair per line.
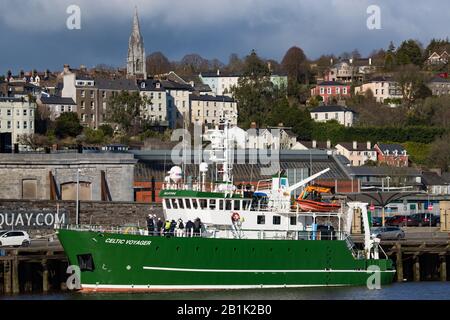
x,y
22,214
17,168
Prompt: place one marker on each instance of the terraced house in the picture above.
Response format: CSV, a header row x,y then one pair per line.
x,y
92,96
16,118
209,109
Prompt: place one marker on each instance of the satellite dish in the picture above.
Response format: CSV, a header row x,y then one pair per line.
x,y
175,174
203,167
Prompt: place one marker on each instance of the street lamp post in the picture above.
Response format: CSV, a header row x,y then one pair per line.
x,y
77,211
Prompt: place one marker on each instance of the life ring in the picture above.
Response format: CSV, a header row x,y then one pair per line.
x,y
235,217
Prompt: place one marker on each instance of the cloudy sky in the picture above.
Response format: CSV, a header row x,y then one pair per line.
x,y
33,33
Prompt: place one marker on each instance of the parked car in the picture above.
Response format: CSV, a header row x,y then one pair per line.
x,y
402,221
388,233
14,238
426,219
376,221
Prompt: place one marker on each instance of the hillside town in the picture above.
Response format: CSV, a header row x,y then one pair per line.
x,y
95,161
384,113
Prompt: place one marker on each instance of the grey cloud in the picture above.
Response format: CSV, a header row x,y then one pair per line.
x,y
34,34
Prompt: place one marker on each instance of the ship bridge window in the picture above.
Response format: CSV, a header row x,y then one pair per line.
x,y
194,204
276,220
261,219
247,204
293,221
212,204
188,203
168,206
203,203
174,204
220,204
237,205
227,204
86,262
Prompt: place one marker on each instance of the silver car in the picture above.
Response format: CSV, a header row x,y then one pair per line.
x,y
389,232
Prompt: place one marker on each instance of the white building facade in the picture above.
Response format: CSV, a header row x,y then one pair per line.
x,y
17,117
357,153
208,109
341,114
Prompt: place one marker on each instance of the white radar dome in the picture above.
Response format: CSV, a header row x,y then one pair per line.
x,y
175,174
203,167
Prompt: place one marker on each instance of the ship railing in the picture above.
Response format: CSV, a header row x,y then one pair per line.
x,y
109,229
218,233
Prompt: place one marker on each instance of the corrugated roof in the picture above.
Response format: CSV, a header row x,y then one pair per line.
x,y
146,169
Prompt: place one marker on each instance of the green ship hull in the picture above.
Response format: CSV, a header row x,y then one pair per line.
x,y
124,262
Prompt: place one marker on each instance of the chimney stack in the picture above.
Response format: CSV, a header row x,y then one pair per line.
x,y
66,68
218,72
370,61
369,145
355,145
314,144
328,144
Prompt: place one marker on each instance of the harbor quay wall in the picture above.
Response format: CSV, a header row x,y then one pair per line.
x,y
41,216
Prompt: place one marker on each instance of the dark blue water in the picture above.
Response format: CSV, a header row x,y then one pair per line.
x,y
396,291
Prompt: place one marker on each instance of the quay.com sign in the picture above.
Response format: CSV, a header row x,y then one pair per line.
x,y
31,220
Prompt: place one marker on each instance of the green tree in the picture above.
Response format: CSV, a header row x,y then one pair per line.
x,y
295,64
411,81
409,52
92,136
68,125
439,156
125,110
107,130
255,92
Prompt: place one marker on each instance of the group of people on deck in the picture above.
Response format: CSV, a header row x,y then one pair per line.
x,y
158,227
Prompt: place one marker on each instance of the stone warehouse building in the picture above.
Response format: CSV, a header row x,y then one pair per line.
x,y
102,177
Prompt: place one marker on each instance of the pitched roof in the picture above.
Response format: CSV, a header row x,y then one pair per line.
x,y
332,108
116,84
156,164
381,79
319,144
439,80
360,146
383,171
433,179
172,85
150,85
207,97
57,100
332,83
391,147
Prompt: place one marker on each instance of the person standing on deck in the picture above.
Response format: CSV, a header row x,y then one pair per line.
x,y
150,225
189,227
167,226
180,228
173,225
159,226
197,227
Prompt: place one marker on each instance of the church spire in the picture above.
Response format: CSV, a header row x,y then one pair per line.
x,y
136,67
